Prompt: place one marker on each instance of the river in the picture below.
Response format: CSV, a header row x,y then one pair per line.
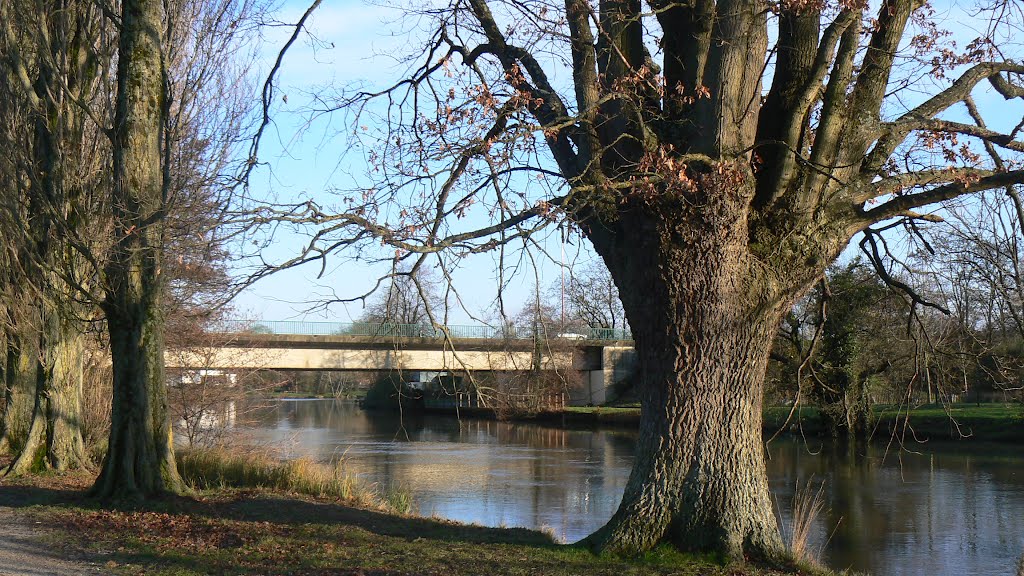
x,y
927,510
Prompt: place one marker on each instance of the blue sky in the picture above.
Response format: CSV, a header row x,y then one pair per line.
x,y
357,42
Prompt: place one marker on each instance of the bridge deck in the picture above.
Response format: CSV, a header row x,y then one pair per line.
x,y
353,352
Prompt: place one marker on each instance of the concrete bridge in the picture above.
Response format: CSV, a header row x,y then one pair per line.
x,y
602,356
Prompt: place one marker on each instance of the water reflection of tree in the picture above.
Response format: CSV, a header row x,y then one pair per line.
x,y
849,485
935,508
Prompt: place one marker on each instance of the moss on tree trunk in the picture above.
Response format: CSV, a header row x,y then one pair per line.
x,y
19,381
54,437
65,448
140,456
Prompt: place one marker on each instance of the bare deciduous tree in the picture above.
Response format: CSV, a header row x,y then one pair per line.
x,y
179,109
592,298
102,179
55,80
978,276
717,154
410,297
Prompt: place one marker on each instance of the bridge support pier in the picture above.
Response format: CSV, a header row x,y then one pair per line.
x,y
617,364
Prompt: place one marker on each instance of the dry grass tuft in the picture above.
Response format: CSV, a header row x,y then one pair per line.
x,y
808,504
206,468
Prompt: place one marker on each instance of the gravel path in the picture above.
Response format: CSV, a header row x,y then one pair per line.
x,y
24,551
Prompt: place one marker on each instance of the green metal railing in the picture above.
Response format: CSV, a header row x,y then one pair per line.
x,y
288,327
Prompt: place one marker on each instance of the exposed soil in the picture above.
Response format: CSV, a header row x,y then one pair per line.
x,y
25,546
24,550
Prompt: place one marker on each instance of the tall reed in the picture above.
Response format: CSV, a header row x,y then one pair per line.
x,y
206,468
808,504
398,498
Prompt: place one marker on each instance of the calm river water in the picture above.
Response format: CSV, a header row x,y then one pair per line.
x,y
946,509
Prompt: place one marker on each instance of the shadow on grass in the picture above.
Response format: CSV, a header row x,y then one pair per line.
x,y
187,535
258,532
280,510
22,496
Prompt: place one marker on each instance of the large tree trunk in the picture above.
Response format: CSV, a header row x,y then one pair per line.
x,y
54,439
140,456
31,455
64,371
704,313
19,381
699,480
7,415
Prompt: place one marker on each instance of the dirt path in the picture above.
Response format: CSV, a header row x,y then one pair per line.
x,y
24,550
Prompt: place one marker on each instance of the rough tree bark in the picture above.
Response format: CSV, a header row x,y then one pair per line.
x,y
19,381
704,312
699,479
53,437
140,456
31,456
703,308
65,371
7,416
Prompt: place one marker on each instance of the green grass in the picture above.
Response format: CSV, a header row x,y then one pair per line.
x,y
230,532
987,422
399,499
971,411
775,417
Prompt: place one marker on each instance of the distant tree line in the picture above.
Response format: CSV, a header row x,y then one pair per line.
x,y
856,341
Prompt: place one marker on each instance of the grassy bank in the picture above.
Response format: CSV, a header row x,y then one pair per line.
x,y
230,530
266,533
987,422
984,423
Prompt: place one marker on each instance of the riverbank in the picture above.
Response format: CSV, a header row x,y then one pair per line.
x,y
984,423
287,395
971,422
258,531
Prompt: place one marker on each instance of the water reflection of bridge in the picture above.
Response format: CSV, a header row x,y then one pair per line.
x,y
482,471
602,356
